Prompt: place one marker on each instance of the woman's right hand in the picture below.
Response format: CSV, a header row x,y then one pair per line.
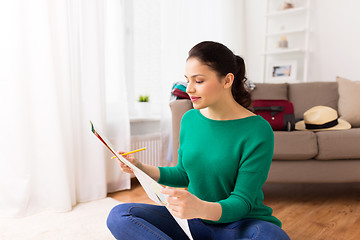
x,y
131,159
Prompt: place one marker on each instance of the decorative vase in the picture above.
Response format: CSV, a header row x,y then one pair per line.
x,y
283,43
143,109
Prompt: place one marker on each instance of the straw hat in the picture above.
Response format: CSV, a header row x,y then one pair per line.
x,y
322,118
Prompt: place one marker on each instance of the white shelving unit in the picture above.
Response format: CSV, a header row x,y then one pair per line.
x,y
286,64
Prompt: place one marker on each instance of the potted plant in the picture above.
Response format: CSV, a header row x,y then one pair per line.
x,y
143,98
143,106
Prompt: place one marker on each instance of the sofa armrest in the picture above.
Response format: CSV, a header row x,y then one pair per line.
x,y
178,108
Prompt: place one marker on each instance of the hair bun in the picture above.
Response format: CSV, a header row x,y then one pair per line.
x,y
239,61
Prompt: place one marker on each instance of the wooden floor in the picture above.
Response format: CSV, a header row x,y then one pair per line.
x,y
307,211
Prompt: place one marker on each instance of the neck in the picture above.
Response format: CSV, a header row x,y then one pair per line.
x,y
227,109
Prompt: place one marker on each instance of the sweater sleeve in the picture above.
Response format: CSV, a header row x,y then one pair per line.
x,y
174,176
252,174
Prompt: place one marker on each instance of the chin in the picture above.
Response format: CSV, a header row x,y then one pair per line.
x,y
198,106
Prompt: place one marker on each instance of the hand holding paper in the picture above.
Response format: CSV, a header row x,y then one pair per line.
x,y
183,204
130,158
151,187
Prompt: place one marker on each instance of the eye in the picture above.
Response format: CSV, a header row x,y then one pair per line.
x,y
199,80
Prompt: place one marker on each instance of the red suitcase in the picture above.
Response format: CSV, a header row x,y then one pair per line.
x,y
279,113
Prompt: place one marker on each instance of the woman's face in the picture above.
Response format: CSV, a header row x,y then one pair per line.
x,y
204,86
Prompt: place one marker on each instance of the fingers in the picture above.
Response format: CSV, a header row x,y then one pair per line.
x,y
175,206
174,192
180,202
125,168
125,156
128,157
178,207
175,202
131,159
176,211
175,197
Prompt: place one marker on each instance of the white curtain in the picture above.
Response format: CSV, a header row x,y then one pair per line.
x,y
61,66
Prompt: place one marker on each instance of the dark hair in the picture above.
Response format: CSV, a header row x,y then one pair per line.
x,y
222,60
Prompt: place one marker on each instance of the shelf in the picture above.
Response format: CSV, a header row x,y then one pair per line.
x,y
145,119
294,25
284,51
286,12
302,30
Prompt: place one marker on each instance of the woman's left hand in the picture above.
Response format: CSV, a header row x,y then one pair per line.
x,y
183,204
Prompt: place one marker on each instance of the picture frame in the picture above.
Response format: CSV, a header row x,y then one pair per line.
x,y
282,71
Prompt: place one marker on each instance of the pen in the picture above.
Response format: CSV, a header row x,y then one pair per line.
x,y
137,150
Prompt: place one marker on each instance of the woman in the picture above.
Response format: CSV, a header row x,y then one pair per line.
x,y
224,157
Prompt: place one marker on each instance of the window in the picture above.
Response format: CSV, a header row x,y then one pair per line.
x,y
143,52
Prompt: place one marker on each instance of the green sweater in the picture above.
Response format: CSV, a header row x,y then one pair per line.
x,y
225,162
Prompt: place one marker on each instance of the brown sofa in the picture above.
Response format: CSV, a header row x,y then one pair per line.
x,y
301,156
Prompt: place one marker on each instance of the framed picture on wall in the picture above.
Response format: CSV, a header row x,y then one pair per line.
x,y
282,71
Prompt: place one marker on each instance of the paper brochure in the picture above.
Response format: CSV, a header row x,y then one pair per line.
x,y
151,187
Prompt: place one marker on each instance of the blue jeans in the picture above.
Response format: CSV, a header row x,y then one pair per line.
x,y
136,221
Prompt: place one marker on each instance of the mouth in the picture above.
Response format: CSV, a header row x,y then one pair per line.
x,y
193,99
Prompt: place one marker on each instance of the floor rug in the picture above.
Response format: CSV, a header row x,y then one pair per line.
x,y
85,221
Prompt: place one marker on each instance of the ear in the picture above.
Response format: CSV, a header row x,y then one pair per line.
x,y
228,80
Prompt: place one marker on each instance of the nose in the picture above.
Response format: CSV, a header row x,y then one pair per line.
x,y
190,88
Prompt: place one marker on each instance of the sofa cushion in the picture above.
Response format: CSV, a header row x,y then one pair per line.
x,y
341,144
349,101
295,145
307,95
270,91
